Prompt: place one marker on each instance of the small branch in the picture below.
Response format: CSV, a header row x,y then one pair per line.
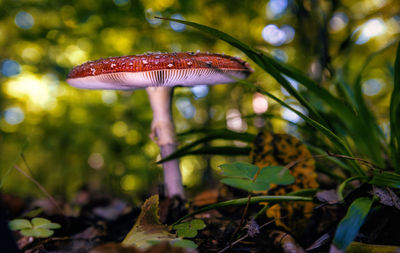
x,y
366,162
243,237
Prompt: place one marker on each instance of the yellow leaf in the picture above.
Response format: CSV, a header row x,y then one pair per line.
x,y
148,227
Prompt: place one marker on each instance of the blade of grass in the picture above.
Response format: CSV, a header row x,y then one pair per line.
x,y
338,142
385,179
394,115
371,146
227,151
258,58
274,68
243,201
214,135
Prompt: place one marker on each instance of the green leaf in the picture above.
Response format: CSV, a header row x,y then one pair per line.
x,y
343,185
212,134
336,140
349,226
394,114
37,227
227,151
385,179
242,175
275,68
265,62
34,213
189,229
148,227
238,169
44,223
188,244
19,224
243,201
37,232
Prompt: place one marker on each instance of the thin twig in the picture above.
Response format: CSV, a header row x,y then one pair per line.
x,y
368,163
243,237
41,188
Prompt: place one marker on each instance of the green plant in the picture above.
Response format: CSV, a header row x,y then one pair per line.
x,y
342,119
189,229
37,227
249,177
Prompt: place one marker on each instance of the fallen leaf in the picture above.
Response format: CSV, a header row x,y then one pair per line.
x,y
148,227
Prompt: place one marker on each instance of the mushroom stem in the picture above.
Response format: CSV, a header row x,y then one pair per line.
x,y
163,133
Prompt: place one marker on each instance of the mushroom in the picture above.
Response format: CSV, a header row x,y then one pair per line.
x,y
159,73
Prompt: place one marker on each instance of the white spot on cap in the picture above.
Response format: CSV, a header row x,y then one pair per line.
x,y
189,63
93,71
131,63
113,65
145,62
170,65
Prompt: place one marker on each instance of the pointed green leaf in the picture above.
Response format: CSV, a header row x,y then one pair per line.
x,y
260,58
275,68
275,175
243,201
386,179
241,175
239,169
394,114
227,151
349,226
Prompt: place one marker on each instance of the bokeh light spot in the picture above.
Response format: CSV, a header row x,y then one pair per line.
x,y
291,116
372,87
199,91
24,20
185,107
131,182
10,68
150,17
14,115
96,161
109,96
234,121
132,137
338,21
275,8
119,129
273,35
178,27
372,28
260,103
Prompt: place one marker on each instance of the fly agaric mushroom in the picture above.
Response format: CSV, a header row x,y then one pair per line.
x,y
158,73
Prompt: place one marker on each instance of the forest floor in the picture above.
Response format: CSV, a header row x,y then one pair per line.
x,y
97,223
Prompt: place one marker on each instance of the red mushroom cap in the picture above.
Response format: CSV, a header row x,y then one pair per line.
x,y
158,69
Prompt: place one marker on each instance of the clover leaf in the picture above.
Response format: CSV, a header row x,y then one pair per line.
x,y
189,229
37,227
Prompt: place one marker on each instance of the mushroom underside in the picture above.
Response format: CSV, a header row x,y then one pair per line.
x,y
171,77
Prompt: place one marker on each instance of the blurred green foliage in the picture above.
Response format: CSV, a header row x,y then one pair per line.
x,y
70,137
